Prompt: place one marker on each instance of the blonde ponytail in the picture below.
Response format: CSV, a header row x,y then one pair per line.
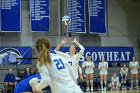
x,y
44,56
43,47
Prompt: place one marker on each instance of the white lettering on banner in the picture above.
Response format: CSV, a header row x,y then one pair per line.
x,y
128,55
94,56
101,54
122,57
116,56
109,56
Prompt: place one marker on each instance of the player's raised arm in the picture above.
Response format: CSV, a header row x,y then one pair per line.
x,y
82,49
59,46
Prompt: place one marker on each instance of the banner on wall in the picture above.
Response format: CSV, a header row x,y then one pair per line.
x,y
76,11
10,16
97,16
39,15
111,54
15,55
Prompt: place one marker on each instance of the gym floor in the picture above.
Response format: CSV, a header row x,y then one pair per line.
x,y
127,91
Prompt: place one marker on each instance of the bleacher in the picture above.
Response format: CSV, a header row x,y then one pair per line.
x,y
19,69
4,70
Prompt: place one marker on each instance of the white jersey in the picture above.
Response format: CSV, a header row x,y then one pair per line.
x,y
103,66
88,67
115,80
58,75
134,67
74,60
124,71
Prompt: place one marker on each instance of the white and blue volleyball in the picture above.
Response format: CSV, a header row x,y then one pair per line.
x,y
66,20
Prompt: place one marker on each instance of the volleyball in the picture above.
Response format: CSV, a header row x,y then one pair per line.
x,y
66,20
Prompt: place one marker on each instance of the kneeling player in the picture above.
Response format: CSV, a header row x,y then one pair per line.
x,y
25,86
115,84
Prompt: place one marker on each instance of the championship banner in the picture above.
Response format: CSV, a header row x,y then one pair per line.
x,y
111,54
76,11
39,15
10,16
15,55
97,16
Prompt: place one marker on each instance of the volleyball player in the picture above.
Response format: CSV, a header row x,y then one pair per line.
x,y
123,72
134,66
103,66
25,86
54,70
72,57
89,65
115,84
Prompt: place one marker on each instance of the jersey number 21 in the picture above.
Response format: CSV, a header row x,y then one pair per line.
x,y
59,64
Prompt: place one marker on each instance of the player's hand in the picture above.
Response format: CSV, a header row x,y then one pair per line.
x,y
34,89
63,41
74,41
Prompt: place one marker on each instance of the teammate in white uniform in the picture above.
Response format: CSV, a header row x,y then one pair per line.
x,y
123,72
89,65
54,70
103,66
115,84
72,57
134,66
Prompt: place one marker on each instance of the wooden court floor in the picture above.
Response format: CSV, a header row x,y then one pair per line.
x,y
121,91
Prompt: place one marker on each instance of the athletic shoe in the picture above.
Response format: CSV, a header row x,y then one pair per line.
x,y
131,88
104,88
91,89
87,90
125,88
137,87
